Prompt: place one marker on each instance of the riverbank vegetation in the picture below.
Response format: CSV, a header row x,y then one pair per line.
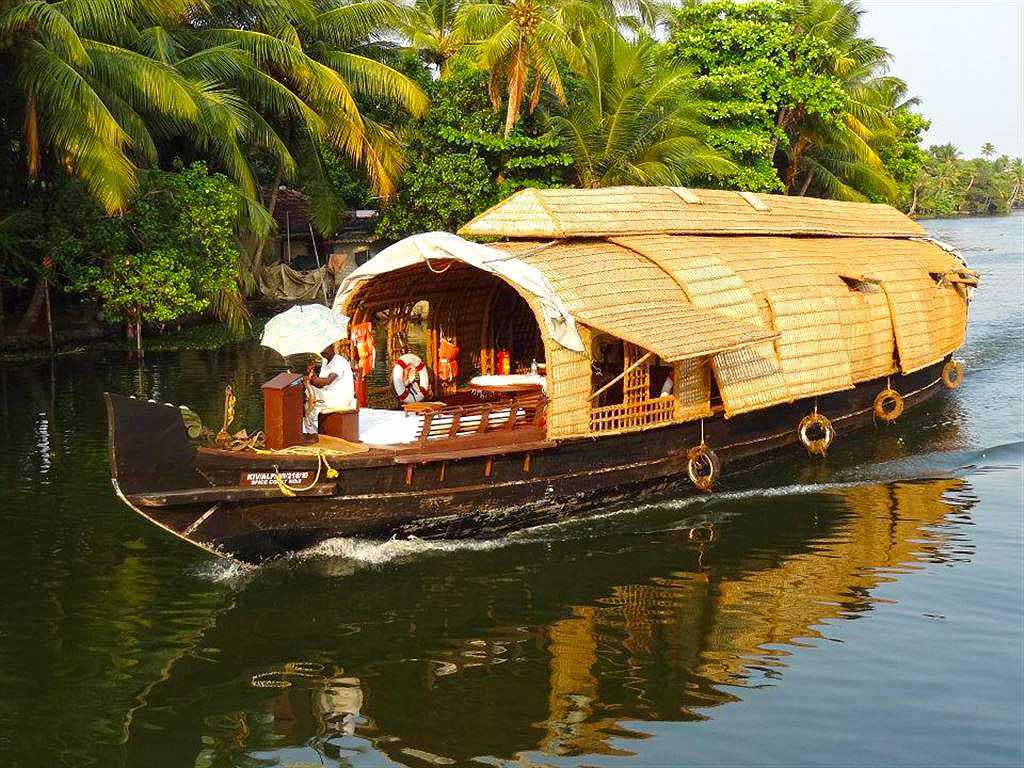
x,y
143,143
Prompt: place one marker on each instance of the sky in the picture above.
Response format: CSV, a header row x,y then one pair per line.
x,y
964,60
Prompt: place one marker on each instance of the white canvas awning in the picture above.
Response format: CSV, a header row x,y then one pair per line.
x,y
443,246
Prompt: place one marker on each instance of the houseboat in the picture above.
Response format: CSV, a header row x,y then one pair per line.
x,y
580,345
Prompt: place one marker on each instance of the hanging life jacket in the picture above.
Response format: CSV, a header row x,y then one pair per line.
x,y
362,339
447,361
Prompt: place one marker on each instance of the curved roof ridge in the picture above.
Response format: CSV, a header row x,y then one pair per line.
x,y
616,211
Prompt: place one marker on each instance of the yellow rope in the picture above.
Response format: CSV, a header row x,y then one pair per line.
x,y
289,490
321,463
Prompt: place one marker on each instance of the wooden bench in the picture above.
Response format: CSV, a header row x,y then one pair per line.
x,y
463,421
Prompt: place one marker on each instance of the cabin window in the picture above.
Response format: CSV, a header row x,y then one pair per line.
x,y
626,385
853,283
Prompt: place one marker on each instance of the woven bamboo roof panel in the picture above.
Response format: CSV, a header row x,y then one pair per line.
x,y
617,291
749,378
611,211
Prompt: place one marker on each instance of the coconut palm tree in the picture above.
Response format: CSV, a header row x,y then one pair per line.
x,y
516,40
838,158
430,29
100,86
988,149
634,118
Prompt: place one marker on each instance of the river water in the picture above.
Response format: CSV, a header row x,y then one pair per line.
x,y
861,609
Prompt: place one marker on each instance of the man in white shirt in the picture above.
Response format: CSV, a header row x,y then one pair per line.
x,y
333,389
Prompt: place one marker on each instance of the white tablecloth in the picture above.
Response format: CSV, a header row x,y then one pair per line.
x,y
381,427
514,379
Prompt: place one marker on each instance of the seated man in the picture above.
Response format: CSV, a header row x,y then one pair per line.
x,y
333,390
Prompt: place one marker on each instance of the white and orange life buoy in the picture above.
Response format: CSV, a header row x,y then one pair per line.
x,y
410,379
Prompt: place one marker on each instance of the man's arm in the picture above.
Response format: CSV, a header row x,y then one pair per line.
x,y
323,381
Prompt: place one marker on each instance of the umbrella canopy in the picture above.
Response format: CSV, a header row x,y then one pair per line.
x,y
304,329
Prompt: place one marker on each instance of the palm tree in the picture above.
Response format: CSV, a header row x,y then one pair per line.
x,y
838,159
102,85
1016,174
82,95
515,40
944,153
988,149
430,29
634,118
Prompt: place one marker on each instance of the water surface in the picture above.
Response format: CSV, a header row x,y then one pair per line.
x,y
862,609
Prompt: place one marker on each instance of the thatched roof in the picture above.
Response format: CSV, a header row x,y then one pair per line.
x,y
615,290
541,213
840,310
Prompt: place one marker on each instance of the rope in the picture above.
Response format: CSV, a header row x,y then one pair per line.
x,y
239,443
291,490
438,271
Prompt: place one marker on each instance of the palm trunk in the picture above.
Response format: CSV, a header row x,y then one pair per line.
x,y
779,123
138,332
33,310
49,314
257,259
807,183
516,83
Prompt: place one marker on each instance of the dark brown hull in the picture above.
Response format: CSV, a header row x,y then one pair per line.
x,y
376,496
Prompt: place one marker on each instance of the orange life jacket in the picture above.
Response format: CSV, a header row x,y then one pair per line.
x,y
447,361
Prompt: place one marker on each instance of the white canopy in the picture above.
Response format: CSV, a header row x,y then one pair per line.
x,y
439,246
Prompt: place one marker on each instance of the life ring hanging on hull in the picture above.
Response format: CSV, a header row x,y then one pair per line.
x,y
889,405
703,467
817,446
953,374
410,379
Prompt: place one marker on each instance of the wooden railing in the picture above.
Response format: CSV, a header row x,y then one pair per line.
x,y
621,417
481,418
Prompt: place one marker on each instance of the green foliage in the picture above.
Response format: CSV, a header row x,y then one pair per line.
x,y
901,153
460,164
754,72
948,185
634,118
166,257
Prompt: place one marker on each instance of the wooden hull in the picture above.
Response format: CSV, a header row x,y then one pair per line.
x,y
379,496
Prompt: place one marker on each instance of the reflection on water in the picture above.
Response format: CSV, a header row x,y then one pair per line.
x,y
438,661
862,609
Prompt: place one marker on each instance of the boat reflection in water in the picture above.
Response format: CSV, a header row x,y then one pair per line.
x,y
545,647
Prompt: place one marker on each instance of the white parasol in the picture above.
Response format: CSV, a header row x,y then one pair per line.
x,y
304,329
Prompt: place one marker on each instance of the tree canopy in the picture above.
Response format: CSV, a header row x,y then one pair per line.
x,y
431,110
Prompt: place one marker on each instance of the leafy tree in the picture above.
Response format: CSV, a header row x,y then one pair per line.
x,y
634,118
988,149
514,40
173,253
460,163
799,100
758,79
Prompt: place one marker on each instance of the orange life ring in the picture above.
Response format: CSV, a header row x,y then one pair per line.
x,y
410,379
953,374
889,404
703,467
818,445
